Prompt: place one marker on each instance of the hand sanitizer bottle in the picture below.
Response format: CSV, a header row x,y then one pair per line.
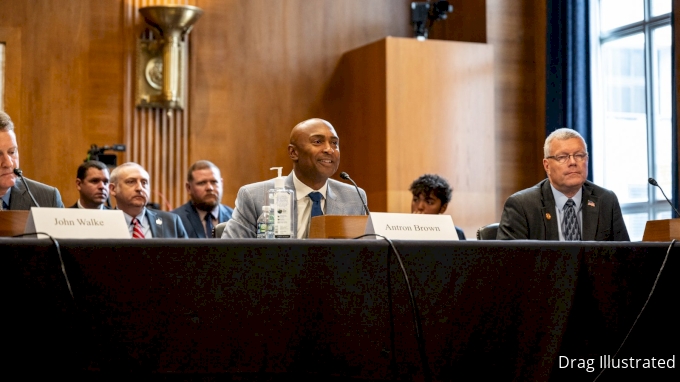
x,y
281,200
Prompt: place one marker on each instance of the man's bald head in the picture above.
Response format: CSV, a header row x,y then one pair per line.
x,y
299,129
315,151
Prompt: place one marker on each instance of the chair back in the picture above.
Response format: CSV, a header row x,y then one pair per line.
x,y
488,232
218,229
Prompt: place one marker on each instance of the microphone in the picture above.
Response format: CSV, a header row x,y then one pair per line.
x,y
653,182
345,176
18,172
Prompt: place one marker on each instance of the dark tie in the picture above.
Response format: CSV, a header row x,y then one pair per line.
x,y
570,227
5,206
316,203
208,225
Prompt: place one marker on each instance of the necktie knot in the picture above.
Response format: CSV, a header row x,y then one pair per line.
x,y
316,203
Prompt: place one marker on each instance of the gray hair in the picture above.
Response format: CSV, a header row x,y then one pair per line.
x,y
562,134
114,174
6,123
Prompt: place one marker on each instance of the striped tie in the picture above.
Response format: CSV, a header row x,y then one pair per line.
x,y
137,232
570,228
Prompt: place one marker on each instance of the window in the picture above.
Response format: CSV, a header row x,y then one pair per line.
x,y
632,107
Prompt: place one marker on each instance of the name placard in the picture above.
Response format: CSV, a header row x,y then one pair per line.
x,y
412,226
77,223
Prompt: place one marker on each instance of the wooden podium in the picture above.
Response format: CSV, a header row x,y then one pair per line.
x,y
12,222
662,230
337,226
404,108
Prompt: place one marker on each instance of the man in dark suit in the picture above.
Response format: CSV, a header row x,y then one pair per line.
x,y
13,192
200,214
92,182
565,206
130,188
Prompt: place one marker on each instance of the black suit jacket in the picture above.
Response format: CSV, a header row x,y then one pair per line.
x,y
192,221
531,215
75,205
165,225
46,196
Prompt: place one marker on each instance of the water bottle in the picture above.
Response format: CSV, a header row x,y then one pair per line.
x,y
262,223
270,224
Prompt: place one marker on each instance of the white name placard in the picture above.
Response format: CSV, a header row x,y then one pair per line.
x,y
412,226
77,223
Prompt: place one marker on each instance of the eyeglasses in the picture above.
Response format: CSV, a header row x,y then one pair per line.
x,y
578,157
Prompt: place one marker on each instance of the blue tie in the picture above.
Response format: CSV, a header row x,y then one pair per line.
x,y
208,225
5,206
316,203
570,227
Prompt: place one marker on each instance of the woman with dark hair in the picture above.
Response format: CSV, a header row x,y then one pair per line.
x,y
431,195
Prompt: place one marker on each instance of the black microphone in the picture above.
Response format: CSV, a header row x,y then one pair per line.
x,y
17,172
653,182
345,176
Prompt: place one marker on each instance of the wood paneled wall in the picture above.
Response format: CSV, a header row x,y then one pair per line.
x,y
257,67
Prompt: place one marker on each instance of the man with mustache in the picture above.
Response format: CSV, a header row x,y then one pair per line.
x,y
130,187
13,192
200,214
314,148
565,206
92,182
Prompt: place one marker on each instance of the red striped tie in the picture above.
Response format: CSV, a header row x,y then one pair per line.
x,y
137,232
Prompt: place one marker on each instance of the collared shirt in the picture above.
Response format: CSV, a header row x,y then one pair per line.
x,y
5,198
101,206
560,201
304,205
143,221
215,214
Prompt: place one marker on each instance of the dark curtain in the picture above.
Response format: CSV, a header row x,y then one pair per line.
x,y
675,168
568,94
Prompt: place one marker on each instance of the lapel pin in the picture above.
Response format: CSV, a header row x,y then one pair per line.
x,y
591,203
159,221
548,216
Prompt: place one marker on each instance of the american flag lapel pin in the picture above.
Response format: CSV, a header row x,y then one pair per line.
x,y
591,203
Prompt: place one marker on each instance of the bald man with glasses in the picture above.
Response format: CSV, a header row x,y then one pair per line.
x,y
565,206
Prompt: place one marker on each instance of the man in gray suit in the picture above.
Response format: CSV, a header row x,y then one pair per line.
x,y
13,192
565,206
315,151
130,188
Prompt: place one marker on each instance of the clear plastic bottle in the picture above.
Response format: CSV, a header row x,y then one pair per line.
x,y
262,223
281,200
270,224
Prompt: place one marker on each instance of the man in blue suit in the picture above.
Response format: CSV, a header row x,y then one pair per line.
x,y
200,214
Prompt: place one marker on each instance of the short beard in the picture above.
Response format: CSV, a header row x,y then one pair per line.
x,y
203,206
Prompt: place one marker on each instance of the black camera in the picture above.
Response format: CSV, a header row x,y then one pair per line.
x,y
424,14
97,153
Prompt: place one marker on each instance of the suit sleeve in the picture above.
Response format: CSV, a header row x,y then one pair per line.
x,y
619,231
513,225
57,199
181,232
243,222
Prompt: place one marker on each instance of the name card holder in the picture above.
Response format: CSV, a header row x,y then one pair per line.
x,y
77,223
412,226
